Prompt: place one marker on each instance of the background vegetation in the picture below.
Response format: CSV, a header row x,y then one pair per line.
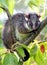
x,y
38,52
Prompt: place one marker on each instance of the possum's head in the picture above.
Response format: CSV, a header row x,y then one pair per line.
x,y
33,21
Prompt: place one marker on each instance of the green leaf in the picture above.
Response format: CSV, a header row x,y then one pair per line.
x,y
2,51
3,3
8,4
23,45
38,58
33,50
41,58
10,59
0,10
32,3
21,51
35,2
11,4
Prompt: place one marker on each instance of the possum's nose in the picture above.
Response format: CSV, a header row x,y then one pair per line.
x,y
26,19
34,27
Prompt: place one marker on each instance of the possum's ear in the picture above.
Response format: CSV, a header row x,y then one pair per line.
x,y
26,15
38,15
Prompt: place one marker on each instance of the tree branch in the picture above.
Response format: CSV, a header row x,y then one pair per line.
x,y
10,21
34,35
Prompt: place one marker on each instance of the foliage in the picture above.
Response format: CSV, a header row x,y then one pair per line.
x,y
18,3
8,5
37,57
11,59
35,2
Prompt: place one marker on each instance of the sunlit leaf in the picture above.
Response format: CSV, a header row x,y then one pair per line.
x,y
40,57
21,51
11,4
33,50
10,59
8,4
35,2
0,10
3,3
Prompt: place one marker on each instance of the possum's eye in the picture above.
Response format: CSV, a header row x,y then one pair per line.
x,y
36,24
